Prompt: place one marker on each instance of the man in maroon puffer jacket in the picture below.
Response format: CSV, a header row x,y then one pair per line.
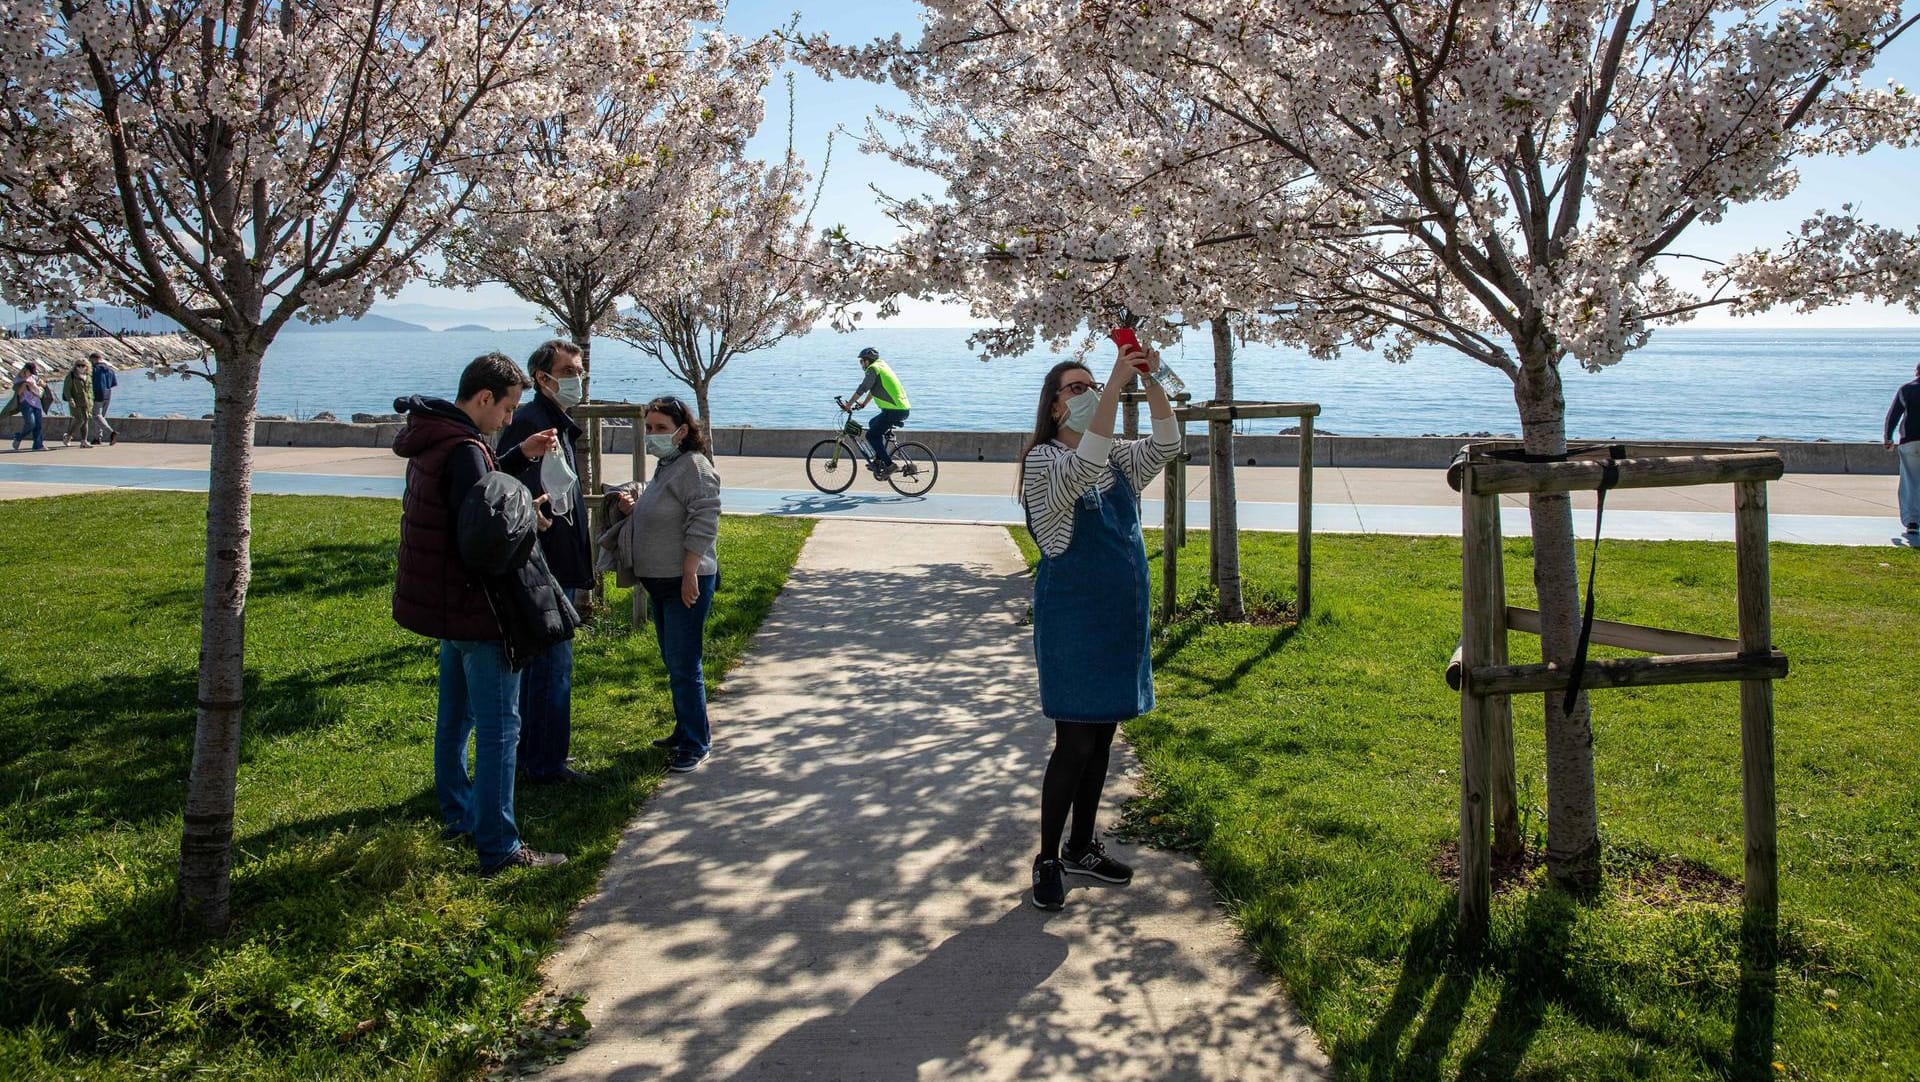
x,y
435,595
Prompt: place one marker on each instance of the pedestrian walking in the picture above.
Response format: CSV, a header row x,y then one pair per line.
x,y
1904,417
546,687
30,397
1081,491
663,541
490,613
77,391
104,381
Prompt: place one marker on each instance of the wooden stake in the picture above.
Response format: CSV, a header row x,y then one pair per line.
x,y
1499,708
1303,567
1478,603
1756,724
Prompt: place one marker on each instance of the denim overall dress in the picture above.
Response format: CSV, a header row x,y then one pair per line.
x,y
1090,613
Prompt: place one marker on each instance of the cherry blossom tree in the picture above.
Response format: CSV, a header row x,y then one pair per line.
x,y
601,199
1512,182
748,282
231,165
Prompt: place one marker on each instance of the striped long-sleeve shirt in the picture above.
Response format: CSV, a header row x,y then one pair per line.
x,y
1056,476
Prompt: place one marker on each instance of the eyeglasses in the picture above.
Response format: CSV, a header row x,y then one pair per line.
x,y
1078,387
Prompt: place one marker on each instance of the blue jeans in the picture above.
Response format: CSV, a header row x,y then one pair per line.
x,y
546,712
682,634
883,422
1909,483
32,423
480,696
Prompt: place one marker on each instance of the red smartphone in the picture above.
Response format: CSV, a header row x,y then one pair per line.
x,y
1126,340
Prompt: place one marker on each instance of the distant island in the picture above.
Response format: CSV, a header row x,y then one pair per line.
x,y
467,327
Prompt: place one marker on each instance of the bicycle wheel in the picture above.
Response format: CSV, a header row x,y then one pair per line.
x,y
832,466
914,469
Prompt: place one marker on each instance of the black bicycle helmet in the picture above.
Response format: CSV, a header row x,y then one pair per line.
x,y
869,354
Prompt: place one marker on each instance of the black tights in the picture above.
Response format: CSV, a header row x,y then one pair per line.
x,y
1076,775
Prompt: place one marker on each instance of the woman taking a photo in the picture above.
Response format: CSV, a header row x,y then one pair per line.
x,y
1081,489
665,543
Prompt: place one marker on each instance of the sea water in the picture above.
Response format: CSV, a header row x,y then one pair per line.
x,y
1685,384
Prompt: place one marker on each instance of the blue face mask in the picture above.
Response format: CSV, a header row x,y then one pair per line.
x,y
662,444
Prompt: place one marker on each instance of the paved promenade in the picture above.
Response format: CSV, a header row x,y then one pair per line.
x,y
839,894
1828,509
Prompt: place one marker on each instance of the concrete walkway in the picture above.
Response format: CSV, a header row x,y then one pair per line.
x,y
840,893
1824,509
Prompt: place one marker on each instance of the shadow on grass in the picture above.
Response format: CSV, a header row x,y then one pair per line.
x,y
116,748
332,906
325,569
1536,976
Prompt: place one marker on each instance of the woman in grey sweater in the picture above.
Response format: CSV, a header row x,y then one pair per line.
x,y
666,543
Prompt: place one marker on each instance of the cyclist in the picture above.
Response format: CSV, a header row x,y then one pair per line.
x,y
883,387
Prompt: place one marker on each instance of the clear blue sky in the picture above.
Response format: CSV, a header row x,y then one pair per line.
x,y
1881,183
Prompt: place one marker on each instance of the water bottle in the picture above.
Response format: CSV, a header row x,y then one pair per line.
x,y
1167,378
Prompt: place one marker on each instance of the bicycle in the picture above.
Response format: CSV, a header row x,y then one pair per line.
x,y
833,462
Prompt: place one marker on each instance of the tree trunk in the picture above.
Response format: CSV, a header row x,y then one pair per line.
x,y
705,419
1223,516
206,842
1573,839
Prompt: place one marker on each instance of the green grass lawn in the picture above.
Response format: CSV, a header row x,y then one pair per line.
x,y
1313,770
363,945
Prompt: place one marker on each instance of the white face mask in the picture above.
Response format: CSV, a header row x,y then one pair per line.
x,y
662,444
557,479
1080,410
568,392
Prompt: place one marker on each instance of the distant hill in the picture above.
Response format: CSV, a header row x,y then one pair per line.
x,y
468,327
367,322
123,320
446,316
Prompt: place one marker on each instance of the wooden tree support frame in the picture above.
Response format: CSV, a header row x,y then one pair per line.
x,y
1173,533
593,480
1486,680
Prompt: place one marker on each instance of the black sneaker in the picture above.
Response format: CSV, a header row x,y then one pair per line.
x,y
525,858
666,742
1049,883
686,761
1094,861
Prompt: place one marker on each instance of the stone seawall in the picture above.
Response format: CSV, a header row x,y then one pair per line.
x,y
1415,452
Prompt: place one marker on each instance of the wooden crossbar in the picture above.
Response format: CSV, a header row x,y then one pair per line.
x,y
1628,672
1253,411
1481,477
1652,640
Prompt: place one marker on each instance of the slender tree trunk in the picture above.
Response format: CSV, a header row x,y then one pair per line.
x,y
1573,838
705,420
206,842
584,339
1224,515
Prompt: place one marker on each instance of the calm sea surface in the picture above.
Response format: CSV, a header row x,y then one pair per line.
x,y
1686,384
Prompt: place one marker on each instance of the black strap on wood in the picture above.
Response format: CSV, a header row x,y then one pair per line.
x,y
1609,477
